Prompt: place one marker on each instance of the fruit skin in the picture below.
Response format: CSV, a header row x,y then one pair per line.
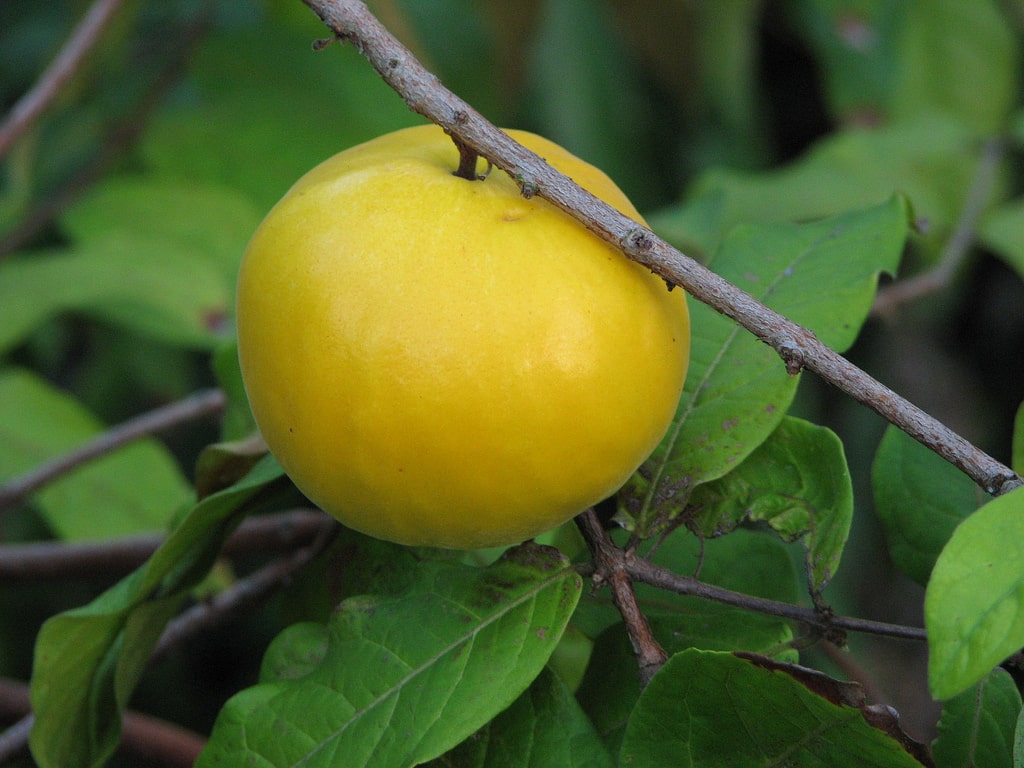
x,y
442,362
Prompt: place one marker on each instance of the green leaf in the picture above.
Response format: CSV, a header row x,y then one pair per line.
x,y
1018,742
208,221
974,604
237,421
977,726
707,709
930,159
971,73
294,653
405,678
920,499
822,275
725,39
544,728
88,660
155,257
136,489
1002,231
798,483
146,285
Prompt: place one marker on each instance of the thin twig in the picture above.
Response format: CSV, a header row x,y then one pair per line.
x,y
799,348
33,103
145,739
645,571
116,141
48,561
195,406
959,244
609,562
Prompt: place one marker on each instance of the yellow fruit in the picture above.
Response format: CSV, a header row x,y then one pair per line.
x,y
438,361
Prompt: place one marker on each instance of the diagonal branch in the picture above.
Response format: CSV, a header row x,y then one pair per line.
x,y
646,572
31,106
351,21
956,249
195,406
81,560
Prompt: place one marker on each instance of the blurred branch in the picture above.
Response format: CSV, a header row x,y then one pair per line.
x,y
956,249
645,571
610,568
83,39
265,534
350,21
13,740
195,406
120,136
146,739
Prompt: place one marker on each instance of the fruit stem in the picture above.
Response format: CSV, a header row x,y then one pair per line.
x,y
467,162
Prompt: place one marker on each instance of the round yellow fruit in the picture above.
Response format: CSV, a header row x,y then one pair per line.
x,y
440,361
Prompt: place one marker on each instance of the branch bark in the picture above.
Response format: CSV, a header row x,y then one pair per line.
x,y
610,568
646,572
351,21
50,561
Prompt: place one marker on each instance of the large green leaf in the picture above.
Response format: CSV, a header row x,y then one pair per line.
x,y
146,284
544,728
920,499
972,72
210,221
798,483
716,710
977,726
398,680
1018,742
88,660
136,489
931,159
155,257
974,604
822,275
